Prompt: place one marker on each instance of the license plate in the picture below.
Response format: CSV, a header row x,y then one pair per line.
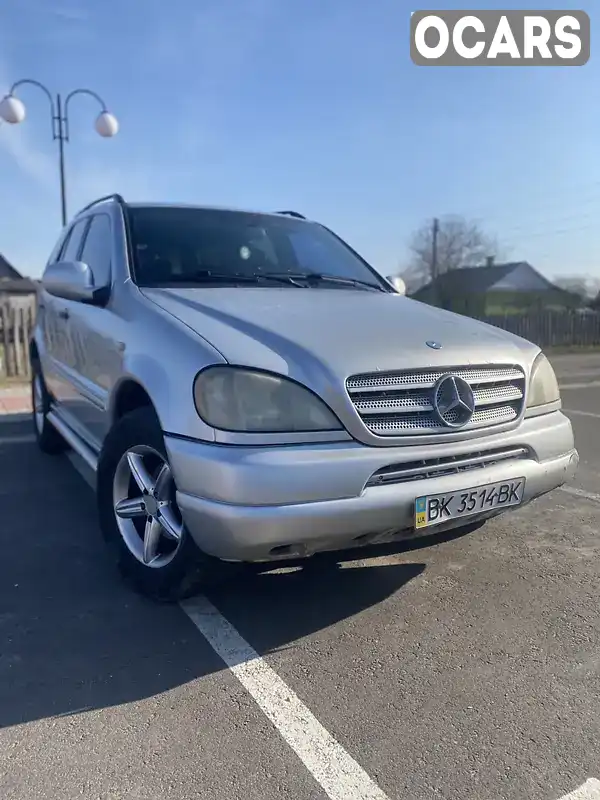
x,y
436,508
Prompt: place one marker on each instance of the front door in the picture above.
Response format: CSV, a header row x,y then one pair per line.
x,y
95,338
58,357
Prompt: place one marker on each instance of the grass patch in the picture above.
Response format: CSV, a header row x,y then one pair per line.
x,y
13,383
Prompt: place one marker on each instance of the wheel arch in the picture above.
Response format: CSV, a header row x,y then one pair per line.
x,y
128,396
145,381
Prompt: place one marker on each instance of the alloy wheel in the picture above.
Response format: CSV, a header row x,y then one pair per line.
x,y
145,507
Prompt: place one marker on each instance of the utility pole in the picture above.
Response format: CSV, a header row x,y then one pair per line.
x,y
434,259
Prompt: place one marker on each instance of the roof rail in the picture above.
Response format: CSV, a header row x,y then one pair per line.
x,y
292,214
116,197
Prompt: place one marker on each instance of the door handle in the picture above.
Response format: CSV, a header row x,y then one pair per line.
x,y
63,314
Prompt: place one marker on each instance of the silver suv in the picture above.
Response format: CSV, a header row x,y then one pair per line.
x,y
244,392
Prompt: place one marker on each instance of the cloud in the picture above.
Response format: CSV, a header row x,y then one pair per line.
x,y
31,219
93,178
31,222
97,179
70,13
203,51
31,162
15,142
219,40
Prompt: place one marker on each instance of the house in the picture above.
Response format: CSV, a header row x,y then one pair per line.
x,y
13,284
515,287
8,272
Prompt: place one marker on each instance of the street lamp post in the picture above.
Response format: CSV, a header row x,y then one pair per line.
x,y
12,110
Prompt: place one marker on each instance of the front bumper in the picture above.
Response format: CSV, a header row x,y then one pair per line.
x,y
264,504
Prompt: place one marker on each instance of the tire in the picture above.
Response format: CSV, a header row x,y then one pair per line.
x,y
48,438
179,569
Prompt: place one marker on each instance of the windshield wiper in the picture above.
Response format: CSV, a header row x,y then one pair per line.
x,y
318,277
299,279
233,278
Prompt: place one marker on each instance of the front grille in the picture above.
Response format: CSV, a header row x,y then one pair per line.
x,y
446,465
401,403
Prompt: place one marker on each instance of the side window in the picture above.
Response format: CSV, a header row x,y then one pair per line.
x,y
58,248
97,249
70,251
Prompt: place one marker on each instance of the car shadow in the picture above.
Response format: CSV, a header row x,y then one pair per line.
x,y
74,638
277,604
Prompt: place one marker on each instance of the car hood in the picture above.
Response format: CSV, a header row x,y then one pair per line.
x,y
336,332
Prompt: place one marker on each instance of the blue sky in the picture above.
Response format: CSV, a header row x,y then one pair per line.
x,y
311,105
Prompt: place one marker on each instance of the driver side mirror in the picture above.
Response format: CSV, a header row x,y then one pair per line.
x,y
397,282
74,280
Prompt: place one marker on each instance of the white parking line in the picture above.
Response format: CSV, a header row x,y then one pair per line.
x,y
589,791
580,493
577,373
590,384
332,767
581,413
30,439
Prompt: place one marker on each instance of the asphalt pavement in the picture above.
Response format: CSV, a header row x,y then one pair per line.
x,y
468,669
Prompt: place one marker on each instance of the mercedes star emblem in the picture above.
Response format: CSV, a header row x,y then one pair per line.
x,y
453,401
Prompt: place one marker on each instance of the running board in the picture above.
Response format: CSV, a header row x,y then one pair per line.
x,y
74,441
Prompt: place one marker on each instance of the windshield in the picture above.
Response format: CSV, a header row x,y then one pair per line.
x,y
174,246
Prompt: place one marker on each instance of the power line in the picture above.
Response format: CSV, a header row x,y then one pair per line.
x,y
496,210
558,232
549,226
573,210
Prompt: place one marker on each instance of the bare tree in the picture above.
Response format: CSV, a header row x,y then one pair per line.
x,y
460,243
584,286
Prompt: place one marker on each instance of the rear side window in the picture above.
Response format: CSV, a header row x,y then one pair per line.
x,y
97,249
70,249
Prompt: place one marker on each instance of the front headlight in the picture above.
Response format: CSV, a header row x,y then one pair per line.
x,y
248,401
543,386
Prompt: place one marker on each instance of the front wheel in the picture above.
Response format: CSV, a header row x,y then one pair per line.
x,y
139,516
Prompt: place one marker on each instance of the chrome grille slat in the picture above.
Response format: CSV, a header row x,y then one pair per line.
x,y
401,403
387,381
447,465
391,404
399,424
417,401
505,392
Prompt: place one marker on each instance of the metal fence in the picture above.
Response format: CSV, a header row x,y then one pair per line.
x,y
552,328
17,316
